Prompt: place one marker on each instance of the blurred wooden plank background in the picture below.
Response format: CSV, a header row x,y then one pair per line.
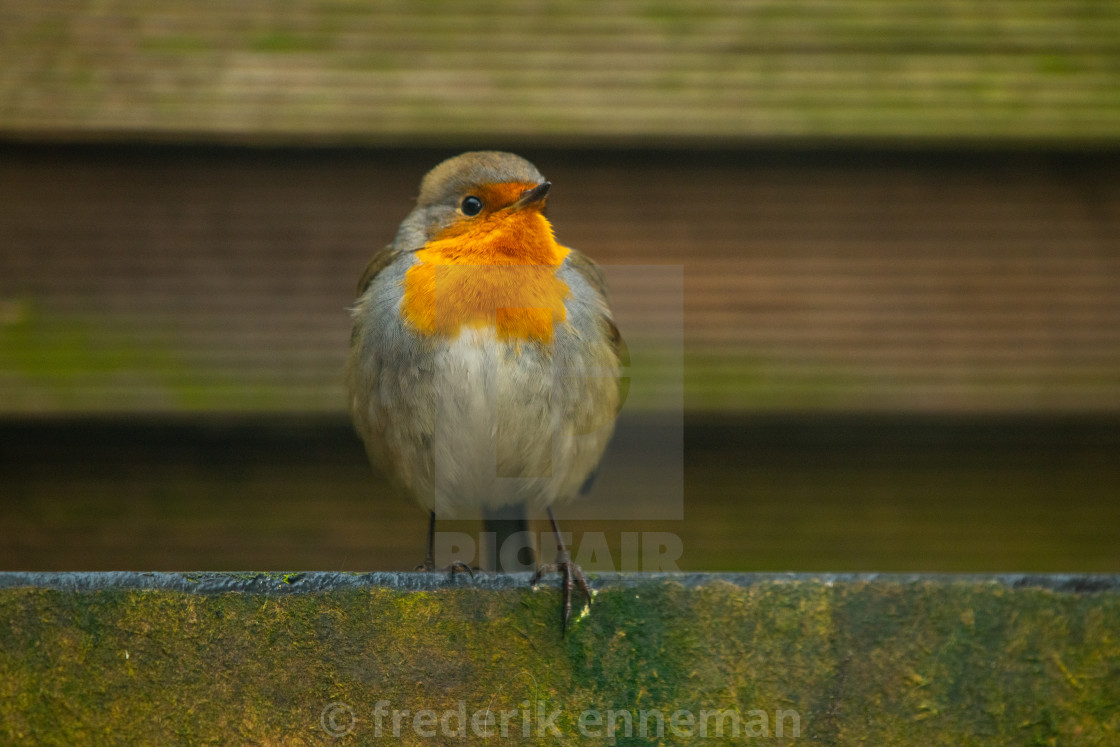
x,y
876,205
897,223
216,279
873,493
331,70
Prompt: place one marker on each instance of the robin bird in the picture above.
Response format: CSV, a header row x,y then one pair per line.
x,y
484,360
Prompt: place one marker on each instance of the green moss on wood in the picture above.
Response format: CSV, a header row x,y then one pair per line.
x,y
875,661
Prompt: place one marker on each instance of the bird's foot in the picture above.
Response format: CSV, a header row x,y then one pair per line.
x,y
571,572
455,566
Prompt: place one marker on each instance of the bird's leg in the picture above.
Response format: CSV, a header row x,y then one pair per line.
x,y
569,570
430,558
429,564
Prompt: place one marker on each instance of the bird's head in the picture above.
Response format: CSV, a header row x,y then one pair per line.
x,y
485,207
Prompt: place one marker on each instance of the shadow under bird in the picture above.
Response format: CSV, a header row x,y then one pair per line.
x,y
484,360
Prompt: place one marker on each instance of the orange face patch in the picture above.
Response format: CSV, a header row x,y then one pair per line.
x,y
496,269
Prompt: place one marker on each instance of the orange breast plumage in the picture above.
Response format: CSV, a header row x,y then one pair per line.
x,y
499,272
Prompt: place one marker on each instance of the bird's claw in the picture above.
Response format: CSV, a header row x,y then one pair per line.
x,y
570,572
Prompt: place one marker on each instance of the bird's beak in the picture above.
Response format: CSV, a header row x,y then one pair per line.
x,y
532,196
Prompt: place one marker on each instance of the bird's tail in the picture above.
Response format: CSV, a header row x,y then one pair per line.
x,y
506,523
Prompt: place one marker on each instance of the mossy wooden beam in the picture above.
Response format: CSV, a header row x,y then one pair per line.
x,y
310,658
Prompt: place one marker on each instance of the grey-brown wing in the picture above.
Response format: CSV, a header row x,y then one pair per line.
x,y
590,272
364,366
378,262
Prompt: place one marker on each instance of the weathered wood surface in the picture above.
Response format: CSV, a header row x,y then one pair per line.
x,y
308,658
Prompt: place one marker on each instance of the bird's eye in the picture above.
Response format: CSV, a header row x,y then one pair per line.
x,y
471,205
